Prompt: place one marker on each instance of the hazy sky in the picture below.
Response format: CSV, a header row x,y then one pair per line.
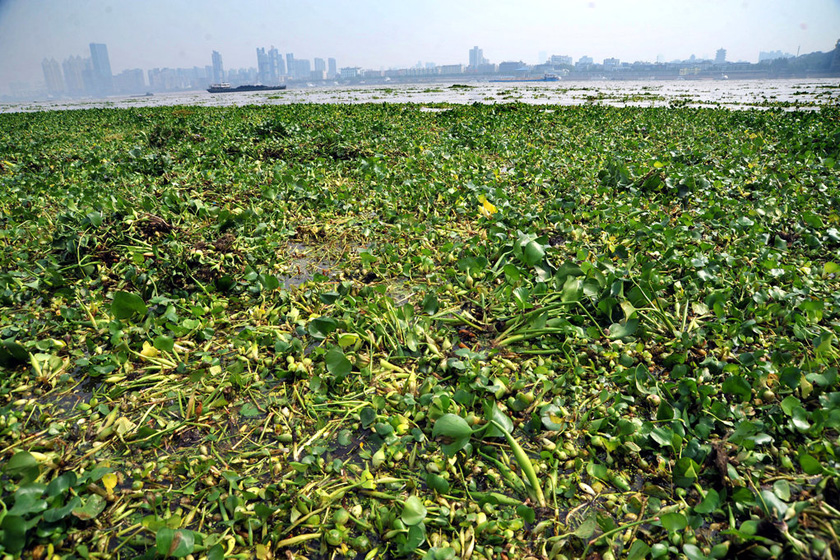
x,y
399,33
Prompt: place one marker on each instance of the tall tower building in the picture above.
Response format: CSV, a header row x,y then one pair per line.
x,y
218,68
290,64
720,56
74,69
101,66
332,68
52,76
476,58
276,64
263,70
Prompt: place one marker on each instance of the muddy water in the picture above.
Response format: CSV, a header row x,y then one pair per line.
x,y
735,94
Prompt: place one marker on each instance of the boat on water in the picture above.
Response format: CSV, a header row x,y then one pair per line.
x,y
544,78
227,88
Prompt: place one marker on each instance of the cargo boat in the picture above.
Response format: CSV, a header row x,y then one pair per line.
x,y
227,88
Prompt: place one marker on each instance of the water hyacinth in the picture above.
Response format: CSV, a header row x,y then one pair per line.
x,y
380,331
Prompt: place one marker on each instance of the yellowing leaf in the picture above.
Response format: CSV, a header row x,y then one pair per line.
x,y
109,481
149,351
487,208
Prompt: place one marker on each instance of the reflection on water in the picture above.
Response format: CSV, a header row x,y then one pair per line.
x,y
734,94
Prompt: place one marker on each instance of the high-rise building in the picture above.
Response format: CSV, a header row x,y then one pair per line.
x,y
720,56
74,79
101,66
476,58
290,64
278,67
218,68
332,69
263,67
302,68
52,76
320,65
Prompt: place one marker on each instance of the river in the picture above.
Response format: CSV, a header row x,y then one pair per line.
x,y
793,94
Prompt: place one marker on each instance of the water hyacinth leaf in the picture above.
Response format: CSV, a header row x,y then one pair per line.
x,y
686,472
618,330
174,543
810,465
455,429
673,522
527,514
12,354
831,268
109,481
430,304
414,539
738,386
638,550
345,340
413,511
56,514
493,413
437,483
551,418
14,533
588,527
337,363
22,465
709,504
126,304
321,327
60,484
164,343
92,507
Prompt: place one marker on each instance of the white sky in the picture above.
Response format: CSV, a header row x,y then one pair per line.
x,y
388,33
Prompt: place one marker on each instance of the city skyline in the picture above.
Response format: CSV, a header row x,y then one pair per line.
x,y
376,35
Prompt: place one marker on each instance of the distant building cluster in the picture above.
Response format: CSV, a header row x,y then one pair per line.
x,y
92,76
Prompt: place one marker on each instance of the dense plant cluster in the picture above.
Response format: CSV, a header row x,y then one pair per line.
x,y
382,331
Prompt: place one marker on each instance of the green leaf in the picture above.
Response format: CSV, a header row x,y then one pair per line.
x,y
61,483
673,522
810,465
413,511
93,506
685,472
321,327
22,465
437,483
586,529
12,354
492,412
618,330
175,543
126,305
430,304
56,514
831,268
337,363
14,533
164,343
738,386
693,552
638,550
527,514
551,419
216,553
249,410
709,504
456,429
533,253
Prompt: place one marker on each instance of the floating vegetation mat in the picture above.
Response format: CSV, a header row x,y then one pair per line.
x,y
376,331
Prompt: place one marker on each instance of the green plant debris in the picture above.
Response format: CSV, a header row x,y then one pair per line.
x,y
380,331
